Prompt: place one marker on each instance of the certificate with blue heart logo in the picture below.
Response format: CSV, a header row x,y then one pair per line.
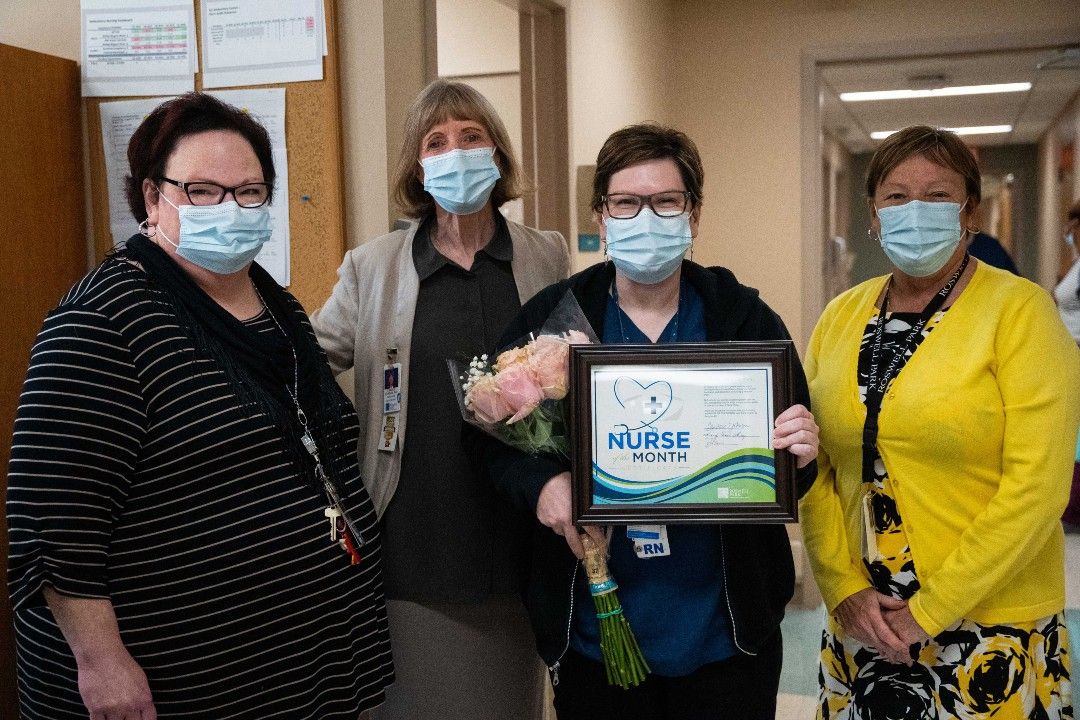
x,y
685,435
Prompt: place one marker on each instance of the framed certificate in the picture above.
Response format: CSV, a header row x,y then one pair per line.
x,y
680,433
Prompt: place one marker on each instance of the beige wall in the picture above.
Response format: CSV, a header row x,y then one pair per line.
x,y
479,43
619,63
729,73
1057,192
409,64
736,71
45,26
363,119
477,37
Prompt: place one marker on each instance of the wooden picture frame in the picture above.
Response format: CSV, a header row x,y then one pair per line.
x,y
681,433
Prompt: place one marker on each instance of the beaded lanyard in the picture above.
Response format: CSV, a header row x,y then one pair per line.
x,y
340,522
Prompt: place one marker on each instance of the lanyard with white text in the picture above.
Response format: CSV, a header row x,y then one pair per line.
x,y
877,385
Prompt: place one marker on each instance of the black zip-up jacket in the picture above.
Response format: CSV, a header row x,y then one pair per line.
x,y
759,573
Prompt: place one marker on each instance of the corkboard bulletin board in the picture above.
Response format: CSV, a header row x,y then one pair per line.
x,y
316,201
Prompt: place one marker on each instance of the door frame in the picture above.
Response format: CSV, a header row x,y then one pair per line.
x,y
545,111
812,131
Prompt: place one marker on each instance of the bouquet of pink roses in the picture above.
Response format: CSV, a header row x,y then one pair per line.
x,y
517,398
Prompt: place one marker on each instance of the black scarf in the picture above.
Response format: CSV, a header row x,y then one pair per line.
x,y
259,366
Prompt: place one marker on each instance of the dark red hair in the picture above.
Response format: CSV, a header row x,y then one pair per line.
x,y
156,138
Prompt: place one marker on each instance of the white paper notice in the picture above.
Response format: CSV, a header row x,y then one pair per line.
x,y
682,433
268,107
252,42
119,121
130,48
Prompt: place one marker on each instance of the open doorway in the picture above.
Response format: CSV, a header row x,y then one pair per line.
x,y
1008,131
515,54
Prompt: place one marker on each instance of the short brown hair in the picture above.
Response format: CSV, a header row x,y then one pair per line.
x,y
190,114
440,101
643,142
936,145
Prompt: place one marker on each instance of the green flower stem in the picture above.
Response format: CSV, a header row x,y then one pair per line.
x,y
542,430
623,662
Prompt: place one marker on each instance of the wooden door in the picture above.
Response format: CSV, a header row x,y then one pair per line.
x,y
43,247
544,115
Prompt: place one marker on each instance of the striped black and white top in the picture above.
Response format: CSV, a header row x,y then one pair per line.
x,y
136,475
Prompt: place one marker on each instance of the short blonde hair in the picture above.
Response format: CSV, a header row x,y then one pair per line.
x,y
445,100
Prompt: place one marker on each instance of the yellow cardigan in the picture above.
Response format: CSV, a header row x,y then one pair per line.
x,y
976,433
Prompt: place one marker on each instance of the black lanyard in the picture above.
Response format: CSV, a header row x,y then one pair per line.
x,y
876,384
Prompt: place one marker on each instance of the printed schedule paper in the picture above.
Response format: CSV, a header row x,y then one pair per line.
x,y
130,47
118,122
253,42
267,105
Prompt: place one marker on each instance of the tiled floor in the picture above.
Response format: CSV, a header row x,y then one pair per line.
x,y
1072,573
794,707
802,633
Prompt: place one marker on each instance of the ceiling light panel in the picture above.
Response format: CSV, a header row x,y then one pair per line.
x,y
935,92
974,130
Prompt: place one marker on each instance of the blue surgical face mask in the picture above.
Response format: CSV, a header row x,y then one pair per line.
x,y
919,237
461,180
648,248
1070,239
221,238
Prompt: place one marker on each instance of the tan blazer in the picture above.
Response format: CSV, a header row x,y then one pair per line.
x,y
371,310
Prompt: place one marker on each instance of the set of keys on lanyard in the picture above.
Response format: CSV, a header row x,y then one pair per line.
x,y
350,538
342,530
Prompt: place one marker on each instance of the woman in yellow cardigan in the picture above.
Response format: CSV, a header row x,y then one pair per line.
x,y
942,394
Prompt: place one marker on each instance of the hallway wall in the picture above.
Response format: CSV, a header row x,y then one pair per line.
x,y
620,73
46,27
736,74
728,72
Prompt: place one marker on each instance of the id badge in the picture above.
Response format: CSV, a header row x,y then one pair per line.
x,y
649,540
869,535
391,388
388,436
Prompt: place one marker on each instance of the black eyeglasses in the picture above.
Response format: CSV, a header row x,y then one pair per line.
x,y
669,203
248,195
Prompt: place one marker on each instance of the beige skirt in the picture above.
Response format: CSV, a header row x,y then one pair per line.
x,y
463,661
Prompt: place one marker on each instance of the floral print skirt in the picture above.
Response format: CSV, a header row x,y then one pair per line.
x,y
971,671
